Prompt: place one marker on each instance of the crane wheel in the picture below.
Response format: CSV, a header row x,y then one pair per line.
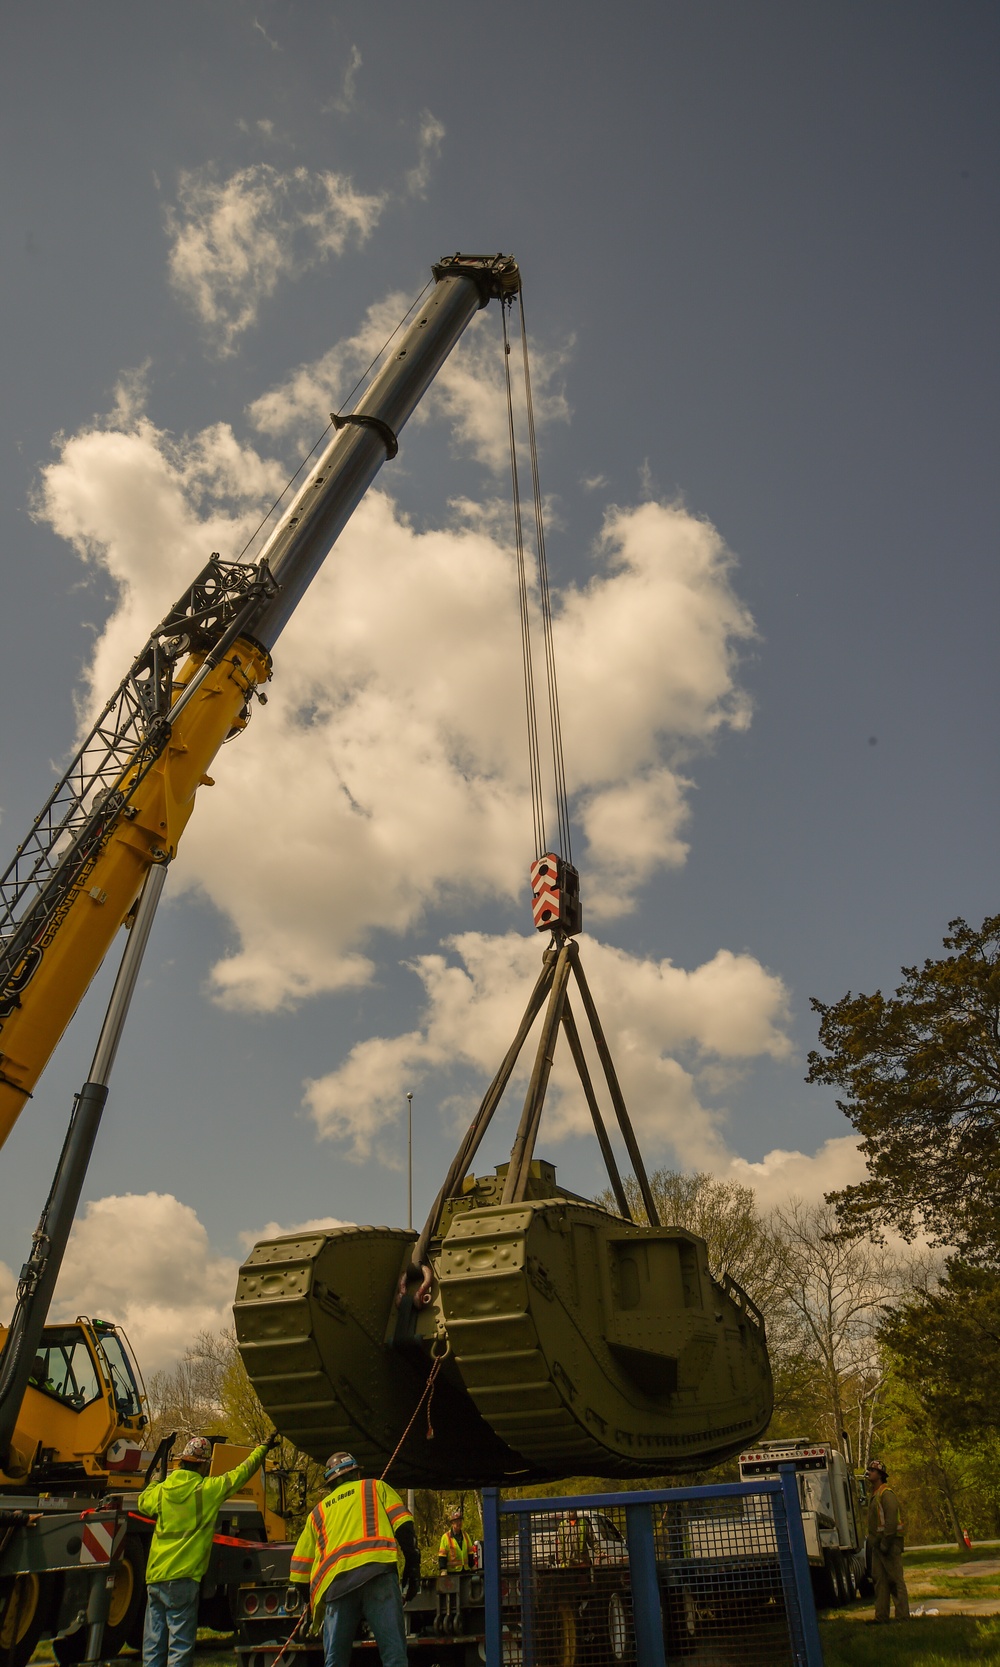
x,y
126,1611
22,1618
566,1635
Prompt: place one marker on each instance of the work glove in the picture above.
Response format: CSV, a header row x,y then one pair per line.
x,y
272,1441
411,1581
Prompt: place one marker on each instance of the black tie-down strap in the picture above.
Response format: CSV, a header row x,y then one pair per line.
x,y
389,439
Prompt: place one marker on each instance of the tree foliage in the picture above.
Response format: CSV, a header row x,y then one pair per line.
x,y
946,1344
187,1399
920,1072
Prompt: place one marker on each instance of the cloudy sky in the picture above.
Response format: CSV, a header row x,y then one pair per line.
x,y
759,248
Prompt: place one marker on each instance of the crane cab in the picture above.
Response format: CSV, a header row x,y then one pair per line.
x,y
83,1413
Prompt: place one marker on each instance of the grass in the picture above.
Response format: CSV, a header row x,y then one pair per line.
x,y
923,1556
932,1641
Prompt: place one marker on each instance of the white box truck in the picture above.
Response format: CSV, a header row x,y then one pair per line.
x,y
831,1504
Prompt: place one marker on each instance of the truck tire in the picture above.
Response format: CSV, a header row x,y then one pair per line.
x,y
136,1548
681,1615
850,1578
621,1633
558,1629
827,1582
23,1618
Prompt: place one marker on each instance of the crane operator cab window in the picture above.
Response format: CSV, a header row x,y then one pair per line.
x,y
120,1371
64,1367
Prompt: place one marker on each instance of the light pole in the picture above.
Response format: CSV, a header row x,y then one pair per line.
x,y
409,1215
409,1161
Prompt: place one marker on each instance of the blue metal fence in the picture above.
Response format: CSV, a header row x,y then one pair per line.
x,y
706,1576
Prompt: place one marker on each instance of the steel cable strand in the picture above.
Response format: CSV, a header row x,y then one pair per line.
x,y
534,762
555,722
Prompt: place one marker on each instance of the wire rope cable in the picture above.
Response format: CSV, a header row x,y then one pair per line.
x,y
564,835
531,713
555,721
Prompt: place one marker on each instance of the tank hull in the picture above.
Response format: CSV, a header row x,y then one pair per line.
x,y
572,1343
595,1347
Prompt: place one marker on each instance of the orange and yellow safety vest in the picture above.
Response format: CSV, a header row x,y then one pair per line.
x,y
352,1526
458,1552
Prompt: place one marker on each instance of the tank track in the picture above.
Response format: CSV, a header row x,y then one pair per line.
x,y
311,1314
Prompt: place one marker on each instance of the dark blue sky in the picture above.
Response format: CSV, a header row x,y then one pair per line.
x,y
766,240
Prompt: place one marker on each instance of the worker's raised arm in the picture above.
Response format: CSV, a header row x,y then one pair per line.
x,y
216,1489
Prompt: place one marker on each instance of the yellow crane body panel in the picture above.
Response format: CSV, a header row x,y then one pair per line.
x,y
56,971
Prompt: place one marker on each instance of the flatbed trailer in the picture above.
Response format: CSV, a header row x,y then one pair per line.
x,y
445,1621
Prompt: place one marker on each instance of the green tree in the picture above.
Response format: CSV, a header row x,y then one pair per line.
x,y
930,1475
186,1399
946,1343
920,1071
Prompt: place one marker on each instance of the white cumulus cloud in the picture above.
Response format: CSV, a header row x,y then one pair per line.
x,y
669,1025
144,1261
278,1230
468,390
392,747
429,142
233,239
781,1175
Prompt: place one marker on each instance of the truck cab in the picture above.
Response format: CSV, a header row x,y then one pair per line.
x,y
831,1509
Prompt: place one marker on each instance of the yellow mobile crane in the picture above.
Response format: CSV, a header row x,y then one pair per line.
x,y
96,858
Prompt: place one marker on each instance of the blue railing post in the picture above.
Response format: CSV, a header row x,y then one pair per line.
x,y
645,1586
801,1600
491,1577
526,1582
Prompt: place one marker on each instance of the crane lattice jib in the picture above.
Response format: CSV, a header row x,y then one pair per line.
x,y
113,760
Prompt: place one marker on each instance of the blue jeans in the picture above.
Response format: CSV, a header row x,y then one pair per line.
x,y
380,1602
168,1637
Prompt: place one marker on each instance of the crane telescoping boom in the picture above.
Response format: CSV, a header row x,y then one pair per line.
x,y
118,813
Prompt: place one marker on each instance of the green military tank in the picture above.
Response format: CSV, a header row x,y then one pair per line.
x,y
527,1334
568,1342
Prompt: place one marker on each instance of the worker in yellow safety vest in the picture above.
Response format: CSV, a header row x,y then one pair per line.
x,y
348,1556
456,1551
185,1506
574,1541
